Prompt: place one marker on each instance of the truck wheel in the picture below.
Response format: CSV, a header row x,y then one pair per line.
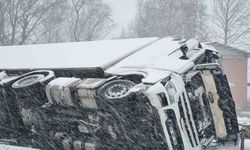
x,y
115,90
29,93
29,88
28,81
34,77
114,95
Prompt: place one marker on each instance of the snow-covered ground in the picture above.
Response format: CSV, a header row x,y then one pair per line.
x,y
7,147
228,147
232,147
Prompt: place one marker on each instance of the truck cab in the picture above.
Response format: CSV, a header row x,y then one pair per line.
x,y
189,90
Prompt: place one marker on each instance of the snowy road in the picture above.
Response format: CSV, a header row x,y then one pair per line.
x,y
7,147
232,147
229,147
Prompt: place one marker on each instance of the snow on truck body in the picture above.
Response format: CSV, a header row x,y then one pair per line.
x,y
156,93
69,55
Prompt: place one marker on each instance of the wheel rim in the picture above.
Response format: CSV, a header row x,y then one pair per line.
x,y
116,91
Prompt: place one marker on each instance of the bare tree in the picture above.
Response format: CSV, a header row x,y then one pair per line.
x,y
90,20
54,24
46,21
3,18
181,18
157,18
194,19
232,20
128,31
21,19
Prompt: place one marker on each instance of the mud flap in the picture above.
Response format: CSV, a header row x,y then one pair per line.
x,y
217,113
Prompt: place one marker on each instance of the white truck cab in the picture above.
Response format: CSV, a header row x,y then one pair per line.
x,y
183,86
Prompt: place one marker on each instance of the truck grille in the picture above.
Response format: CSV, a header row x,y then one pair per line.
x,y
189,121
174,131
185,120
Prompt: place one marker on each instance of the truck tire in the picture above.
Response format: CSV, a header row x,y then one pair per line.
x,y
29,91
114,95
115,90
30,88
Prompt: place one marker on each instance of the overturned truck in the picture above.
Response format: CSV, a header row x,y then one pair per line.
x,y
145,93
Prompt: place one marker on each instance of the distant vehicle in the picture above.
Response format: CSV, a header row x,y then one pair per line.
x,y
152,94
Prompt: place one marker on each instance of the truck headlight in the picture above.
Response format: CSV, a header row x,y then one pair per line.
x,y
171,91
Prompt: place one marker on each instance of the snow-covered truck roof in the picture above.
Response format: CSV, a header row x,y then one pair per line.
x,y
70,55
144,55
163,54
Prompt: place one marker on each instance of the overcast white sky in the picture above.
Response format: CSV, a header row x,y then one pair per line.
x,y
123,12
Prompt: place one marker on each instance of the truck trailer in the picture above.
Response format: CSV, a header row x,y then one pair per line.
x,y
148,93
